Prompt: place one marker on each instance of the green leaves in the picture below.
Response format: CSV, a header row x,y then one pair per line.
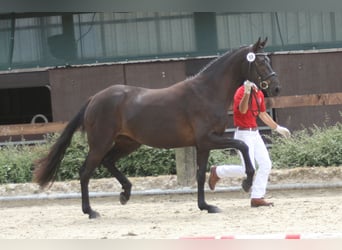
x,y
15,164
225,156
309,147
147,161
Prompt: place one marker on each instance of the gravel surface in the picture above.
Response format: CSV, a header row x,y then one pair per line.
x,y
174,216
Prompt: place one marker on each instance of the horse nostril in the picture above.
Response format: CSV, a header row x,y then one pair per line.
x,y
277,90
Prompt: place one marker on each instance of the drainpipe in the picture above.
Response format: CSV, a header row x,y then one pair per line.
x,y
11,49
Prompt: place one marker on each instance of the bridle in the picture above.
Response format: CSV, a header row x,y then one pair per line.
x,y
263,80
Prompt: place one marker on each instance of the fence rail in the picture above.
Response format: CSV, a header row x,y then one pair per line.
x,y
31,129
304,100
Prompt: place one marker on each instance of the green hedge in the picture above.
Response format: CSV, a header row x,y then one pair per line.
x,y
310,147
316,146
15,164
16,161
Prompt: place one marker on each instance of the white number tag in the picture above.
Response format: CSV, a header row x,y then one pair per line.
x,y
250,57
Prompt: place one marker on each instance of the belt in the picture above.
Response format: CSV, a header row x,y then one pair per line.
x,y
249,129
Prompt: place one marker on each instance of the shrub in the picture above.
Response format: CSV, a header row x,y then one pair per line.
x,y
148,161
17,161
15,164
225,156
309,147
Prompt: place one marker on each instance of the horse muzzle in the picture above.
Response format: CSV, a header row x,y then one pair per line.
x,y
271,86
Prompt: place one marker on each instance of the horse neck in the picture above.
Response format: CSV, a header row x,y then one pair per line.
x,y
224,79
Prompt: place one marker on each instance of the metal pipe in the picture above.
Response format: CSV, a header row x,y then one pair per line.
x,y
11,49
186,190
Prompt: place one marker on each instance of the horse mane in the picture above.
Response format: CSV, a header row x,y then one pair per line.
x,y
208,68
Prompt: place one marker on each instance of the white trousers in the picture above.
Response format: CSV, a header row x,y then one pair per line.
x,y
259,154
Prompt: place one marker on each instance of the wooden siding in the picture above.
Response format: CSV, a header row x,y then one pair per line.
x,y
71,87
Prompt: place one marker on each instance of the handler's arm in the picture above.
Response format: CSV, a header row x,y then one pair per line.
x,y
268,120
243,105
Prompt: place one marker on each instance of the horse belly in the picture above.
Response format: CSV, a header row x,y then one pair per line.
x,y
163,139
162,132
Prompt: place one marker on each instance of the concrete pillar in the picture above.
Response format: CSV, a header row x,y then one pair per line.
x,y
186,166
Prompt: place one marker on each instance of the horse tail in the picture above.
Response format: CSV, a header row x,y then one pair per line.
x,y
47,167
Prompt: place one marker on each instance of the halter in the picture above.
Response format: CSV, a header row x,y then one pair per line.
x,y
263,80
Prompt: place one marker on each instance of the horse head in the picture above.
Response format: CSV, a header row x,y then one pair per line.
x,y
259,69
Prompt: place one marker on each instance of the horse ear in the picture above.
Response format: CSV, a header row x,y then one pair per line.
x,y
256,46
263,43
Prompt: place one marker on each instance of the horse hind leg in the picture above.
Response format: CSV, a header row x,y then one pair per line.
x,y
202,161
97,150
123,147
86,172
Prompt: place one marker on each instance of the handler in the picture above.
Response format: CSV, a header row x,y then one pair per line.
x,y
248,105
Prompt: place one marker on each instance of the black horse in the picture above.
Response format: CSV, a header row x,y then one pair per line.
x,y
193,112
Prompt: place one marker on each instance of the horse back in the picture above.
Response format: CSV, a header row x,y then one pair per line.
x,y
155,117
165,118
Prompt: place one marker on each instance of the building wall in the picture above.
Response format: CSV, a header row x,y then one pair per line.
x,y
51,39
71,87
299,74
309,73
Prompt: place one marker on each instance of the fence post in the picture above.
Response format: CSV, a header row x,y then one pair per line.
x,y
186,166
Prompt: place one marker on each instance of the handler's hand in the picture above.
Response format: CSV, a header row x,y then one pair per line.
x,y
248,86
283,131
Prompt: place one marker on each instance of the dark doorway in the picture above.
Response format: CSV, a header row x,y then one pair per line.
x,y
22,105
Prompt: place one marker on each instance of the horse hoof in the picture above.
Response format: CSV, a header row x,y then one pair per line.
x,y
246,185
214,210
94,215
123,199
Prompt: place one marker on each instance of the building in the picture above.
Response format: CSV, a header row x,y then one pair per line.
x,y
51,62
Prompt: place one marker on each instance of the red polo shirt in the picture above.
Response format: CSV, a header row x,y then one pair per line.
x,y
248,120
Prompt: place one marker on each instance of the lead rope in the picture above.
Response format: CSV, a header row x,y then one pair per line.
x,y
253,95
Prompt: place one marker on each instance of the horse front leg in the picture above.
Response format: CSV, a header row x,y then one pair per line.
x,y
222,142
248,181
202,161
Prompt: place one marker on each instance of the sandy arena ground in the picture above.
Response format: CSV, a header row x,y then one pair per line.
x,y
172,216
